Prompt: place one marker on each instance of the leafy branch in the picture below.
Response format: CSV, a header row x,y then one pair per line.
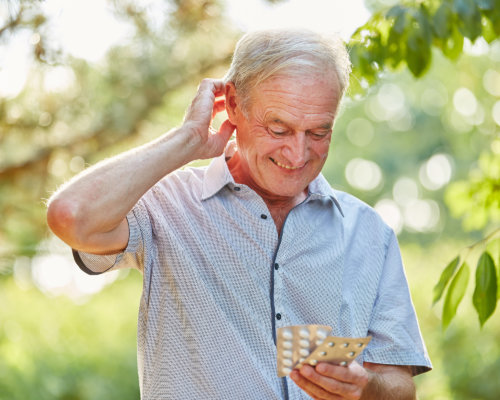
x,y
486,292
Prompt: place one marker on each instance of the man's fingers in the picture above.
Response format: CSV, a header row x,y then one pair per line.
x,y
219,105
216,86
226,130
331,383
354,374
310,388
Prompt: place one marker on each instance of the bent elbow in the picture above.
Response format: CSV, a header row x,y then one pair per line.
x,y
62,217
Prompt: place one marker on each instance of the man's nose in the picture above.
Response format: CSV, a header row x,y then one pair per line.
x,y
296,149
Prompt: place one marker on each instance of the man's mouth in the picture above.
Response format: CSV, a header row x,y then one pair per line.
x,y
283,165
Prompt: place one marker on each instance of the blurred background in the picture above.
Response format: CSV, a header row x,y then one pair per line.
x,y
418,138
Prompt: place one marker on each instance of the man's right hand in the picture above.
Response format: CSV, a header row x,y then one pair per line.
x,y
89,213
205,106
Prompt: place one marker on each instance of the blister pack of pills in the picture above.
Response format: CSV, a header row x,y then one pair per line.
x,y
310,344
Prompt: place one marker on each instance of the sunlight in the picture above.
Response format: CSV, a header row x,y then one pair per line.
x,y
341,17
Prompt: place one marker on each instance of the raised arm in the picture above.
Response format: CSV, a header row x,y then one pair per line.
x,y
89,212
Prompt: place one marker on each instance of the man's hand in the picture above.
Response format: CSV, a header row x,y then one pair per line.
x,y
90,217
205,106
375,381
328,381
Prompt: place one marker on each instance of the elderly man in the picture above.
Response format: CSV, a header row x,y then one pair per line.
x,y
256,241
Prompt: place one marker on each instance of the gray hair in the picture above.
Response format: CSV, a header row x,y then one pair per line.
x,y
260,55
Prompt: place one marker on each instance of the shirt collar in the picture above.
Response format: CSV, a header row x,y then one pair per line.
x,y
217,176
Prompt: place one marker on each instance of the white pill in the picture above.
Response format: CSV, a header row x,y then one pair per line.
x,y
345,345
287,362
304,352
304,333
343,363
319,342
287,344
302,359
286,370
313,362
304,343
322,334
331,344
352,354
287,353
287,334
322,354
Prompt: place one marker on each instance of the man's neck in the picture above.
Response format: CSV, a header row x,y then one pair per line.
x,y
279,206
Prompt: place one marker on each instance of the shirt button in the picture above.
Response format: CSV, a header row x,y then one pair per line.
x,y
237,188
276,266
278,316
263,216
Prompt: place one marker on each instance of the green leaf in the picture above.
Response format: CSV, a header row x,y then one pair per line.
x,y
418,52
444,279
469,18
452,47
485,293
399,13
443,21
455,294
493,247
486,4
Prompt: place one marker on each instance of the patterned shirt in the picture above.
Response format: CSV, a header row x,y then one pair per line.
x,y
218,281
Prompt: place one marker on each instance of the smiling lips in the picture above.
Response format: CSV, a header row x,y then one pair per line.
x,y
285,166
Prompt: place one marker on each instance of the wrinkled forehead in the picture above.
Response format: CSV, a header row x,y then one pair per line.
x,y
298,89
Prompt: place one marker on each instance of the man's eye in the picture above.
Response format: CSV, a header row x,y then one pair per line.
x,y
277,132
319,135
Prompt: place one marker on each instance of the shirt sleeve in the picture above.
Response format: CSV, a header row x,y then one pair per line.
x,y
396,337
131,257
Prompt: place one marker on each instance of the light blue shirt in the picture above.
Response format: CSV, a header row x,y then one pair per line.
x,y
219,281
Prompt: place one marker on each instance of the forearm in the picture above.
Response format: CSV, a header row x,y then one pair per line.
x,y
389,385
98,200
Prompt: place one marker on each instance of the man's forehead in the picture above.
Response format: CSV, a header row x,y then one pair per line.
x,y
279,121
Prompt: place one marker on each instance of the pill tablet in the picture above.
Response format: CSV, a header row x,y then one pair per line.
x,y
304,333
287,362
321,334
287,353
304,352
287,334
287,344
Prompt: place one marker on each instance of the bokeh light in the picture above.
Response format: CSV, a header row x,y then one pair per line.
x,y
391,214
436,172
363,174
360,131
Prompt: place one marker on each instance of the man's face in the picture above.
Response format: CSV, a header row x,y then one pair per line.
x,y
284,141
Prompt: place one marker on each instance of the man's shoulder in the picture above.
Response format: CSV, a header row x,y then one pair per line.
x,y
358,213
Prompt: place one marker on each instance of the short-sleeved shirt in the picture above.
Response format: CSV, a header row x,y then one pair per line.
x,y
218,281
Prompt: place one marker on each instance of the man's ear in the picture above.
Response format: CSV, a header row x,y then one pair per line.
x,y
232,107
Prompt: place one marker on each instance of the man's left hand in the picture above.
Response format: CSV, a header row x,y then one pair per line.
x,y
327,381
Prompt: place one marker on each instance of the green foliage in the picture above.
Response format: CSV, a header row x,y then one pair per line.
x,y
485,294
486,291
477,199
54,349
445,277
406,32
455,294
